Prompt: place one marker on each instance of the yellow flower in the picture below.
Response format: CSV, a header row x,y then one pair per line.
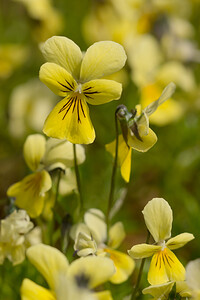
x,y
91,236
13,231
74,281
139,136
164,265
75,76
193,278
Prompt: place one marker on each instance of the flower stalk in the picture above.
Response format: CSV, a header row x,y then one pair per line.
x,y
78,181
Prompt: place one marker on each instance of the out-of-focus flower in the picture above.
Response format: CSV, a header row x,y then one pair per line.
x,y
15,236
74,281
164,265
11,57
162,291
91,238
41,157
137,134
193,277
29,106
75,76
42,11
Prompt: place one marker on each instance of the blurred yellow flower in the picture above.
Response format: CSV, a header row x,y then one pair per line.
x,y
193,278
16,235
75,76
164,265
74,281
139,136
91,238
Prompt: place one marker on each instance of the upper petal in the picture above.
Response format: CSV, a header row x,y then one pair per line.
x,y
57,79
179,240
101,91
95,220
102,59
148,141
70,120
193,274
32,291
34,149
159,291
96,270
143,250
49,261
64,52
158,218
116,235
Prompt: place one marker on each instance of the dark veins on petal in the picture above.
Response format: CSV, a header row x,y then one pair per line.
x,y
75,104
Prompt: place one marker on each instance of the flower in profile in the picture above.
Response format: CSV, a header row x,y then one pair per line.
x,y
15,235
136,133
74,281
164,265
91,237
193,277
78,78
41,157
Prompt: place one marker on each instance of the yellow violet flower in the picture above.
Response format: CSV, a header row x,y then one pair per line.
x,y
13,232
74,281
193,277
76,76
91,237
139,136
164,265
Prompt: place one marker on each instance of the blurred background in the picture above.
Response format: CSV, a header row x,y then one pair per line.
x,y
162,42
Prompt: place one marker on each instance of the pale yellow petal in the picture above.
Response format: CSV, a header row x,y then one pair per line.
x,y
126,166
123,263
64,52
32,291
159,291
29,193
101,91
34,149
116,235
183,289
104,295
57,79
59,153
87,267
95,220
102,59
70,120
148,141
179,240
143,250
165,267
49,261
193,274
158,218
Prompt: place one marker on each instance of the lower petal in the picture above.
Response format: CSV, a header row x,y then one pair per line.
x,y
104,295
70,120
32,291
147,141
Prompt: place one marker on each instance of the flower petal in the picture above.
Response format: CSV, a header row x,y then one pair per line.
x,y
101,91
123,263
95,220
32,291
102,59
165,267
179,240
49,261
159,291
193,274
147,142
29,193
143,250
96,270
116,235
57,79
104,295
64,52
158,218
70,120
183,289
34,149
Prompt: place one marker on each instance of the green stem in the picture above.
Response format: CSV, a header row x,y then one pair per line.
x,y
52,223
78,181
112,184
140,272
